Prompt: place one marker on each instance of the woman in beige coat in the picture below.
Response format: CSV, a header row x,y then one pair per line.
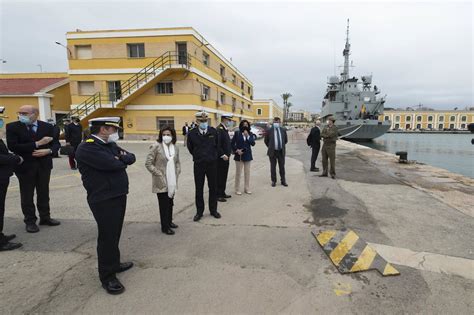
x,y
163,164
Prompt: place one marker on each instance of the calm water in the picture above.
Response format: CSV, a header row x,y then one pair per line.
x,y
453,152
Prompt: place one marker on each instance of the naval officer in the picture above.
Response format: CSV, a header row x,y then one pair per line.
x,y
102,164
203,143
224,151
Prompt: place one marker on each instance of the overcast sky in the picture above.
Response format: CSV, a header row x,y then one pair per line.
x,y
418,52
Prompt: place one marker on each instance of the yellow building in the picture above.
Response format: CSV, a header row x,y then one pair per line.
x,y
47,91
152,78
429,119
266,110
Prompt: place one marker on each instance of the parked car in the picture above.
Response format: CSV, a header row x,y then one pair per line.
x,y
258,131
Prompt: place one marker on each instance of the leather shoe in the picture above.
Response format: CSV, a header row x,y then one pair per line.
x,y
323,175
197,217
113,286
227,196
9,246
216,215
168,232
221,199
173,226
32,228
50,222
333,176
8,238
314,169
125,266
273,184
284,184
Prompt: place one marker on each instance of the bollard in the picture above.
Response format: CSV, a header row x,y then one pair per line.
x,y
403,156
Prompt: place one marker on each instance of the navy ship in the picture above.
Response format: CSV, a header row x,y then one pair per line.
x,y
354,103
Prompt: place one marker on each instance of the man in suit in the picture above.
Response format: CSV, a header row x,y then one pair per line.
x,y
35,142
102,164
7,162
185,132
203,143
276,140
57,132
314,141
224,150
73,138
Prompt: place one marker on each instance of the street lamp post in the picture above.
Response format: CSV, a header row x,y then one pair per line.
x,y
41,67
67,48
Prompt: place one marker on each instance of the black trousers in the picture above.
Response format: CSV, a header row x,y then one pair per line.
x,y
35,178
202,171
314,154
109,215
222,172
165,204
279,158
3,195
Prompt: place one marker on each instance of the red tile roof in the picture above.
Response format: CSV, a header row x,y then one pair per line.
x,y
25,86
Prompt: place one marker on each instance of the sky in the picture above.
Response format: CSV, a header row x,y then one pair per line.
x,y
418,52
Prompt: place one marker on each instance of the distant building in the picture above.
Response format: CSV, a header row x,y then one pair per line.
x,y
266,110
428,119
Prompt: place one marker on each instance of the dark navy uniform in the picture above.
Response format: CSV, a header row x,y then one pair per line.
x,y
203,148
223,166
103,169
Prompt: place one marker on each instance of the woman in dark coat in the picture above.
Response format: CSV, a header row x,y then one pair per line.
x,y
242,144
7,162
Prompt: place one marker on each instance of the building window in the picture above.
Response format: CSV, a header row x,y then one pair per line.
x,y
397,126
206,92
430,118
418,126
430,126
242,105
463,126
463,118
248,89
163,122
222,71
441,118
234,102
259,112
222,99
452,118
440,126
387,118
407,126
205,58
242,85
164,88
136,50
86,87
451,126
418,118
408,118
248,106
83,51
234,79
397,118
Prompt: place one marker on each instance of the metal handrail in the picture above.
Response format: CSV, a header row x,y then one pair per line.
x,y
130,85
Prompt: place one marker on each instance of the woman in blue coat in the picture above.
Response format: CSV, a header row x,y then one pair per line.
x,y
242,144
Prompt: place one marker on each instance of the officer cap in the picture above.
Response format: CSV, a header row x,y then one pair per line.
x,y
332,118
227,116
105,121
2,112
201,116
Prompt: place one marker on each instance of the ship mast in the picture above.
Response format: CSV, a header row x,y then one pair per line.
x,y
346,53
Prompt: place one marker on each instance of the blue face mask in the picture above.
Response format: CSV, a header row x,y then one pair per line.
x,y
276,125
1,123
24,119
203,125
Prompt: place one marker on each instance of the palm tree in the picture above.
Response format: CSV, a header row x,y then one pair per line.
x,y
285,97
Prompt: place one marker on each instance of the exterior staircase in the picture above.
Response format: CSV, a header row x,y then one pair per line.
x,y
137,83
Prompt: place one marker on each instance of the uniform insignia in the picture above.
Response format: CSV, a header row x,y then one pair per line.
x,y
89,140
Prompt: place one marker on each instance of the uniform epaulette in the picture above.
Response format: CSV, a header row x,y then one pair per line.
x,y
90,140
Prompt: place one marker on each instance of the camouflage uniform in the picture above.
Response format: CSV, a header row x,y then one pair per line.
x,y
329,135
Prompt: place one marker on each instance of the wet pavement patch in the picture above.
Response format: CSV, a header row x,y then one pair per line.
x,y
324,208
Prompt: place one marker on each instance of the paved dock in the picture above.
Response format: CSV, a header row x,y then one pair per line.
x,y
261,256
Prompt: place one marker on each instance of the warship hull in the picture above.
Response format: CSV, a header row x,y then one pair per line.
x,y
362,130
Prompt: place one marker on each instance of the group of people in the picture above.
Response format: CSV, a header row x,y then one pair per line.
x,y
102,165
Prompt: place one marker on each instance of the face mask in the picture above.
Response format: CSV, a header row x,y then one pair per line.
x,y
24,119
203,125
229,124
1,123
113,137
276,125
167,139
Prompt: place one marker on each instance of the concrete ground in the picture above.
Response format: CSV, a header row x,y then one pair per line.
x,y
260,257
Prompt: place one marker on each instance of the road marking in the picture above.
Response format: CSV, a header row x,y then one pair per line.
x,y
444,264
342,289
349,253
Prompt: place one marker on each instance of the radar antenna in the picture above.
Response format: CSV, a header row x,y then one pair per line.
x,y
346,52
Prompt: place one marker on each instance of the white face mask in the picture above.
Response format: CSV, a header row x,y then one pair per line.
x,y
167,139
113,137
